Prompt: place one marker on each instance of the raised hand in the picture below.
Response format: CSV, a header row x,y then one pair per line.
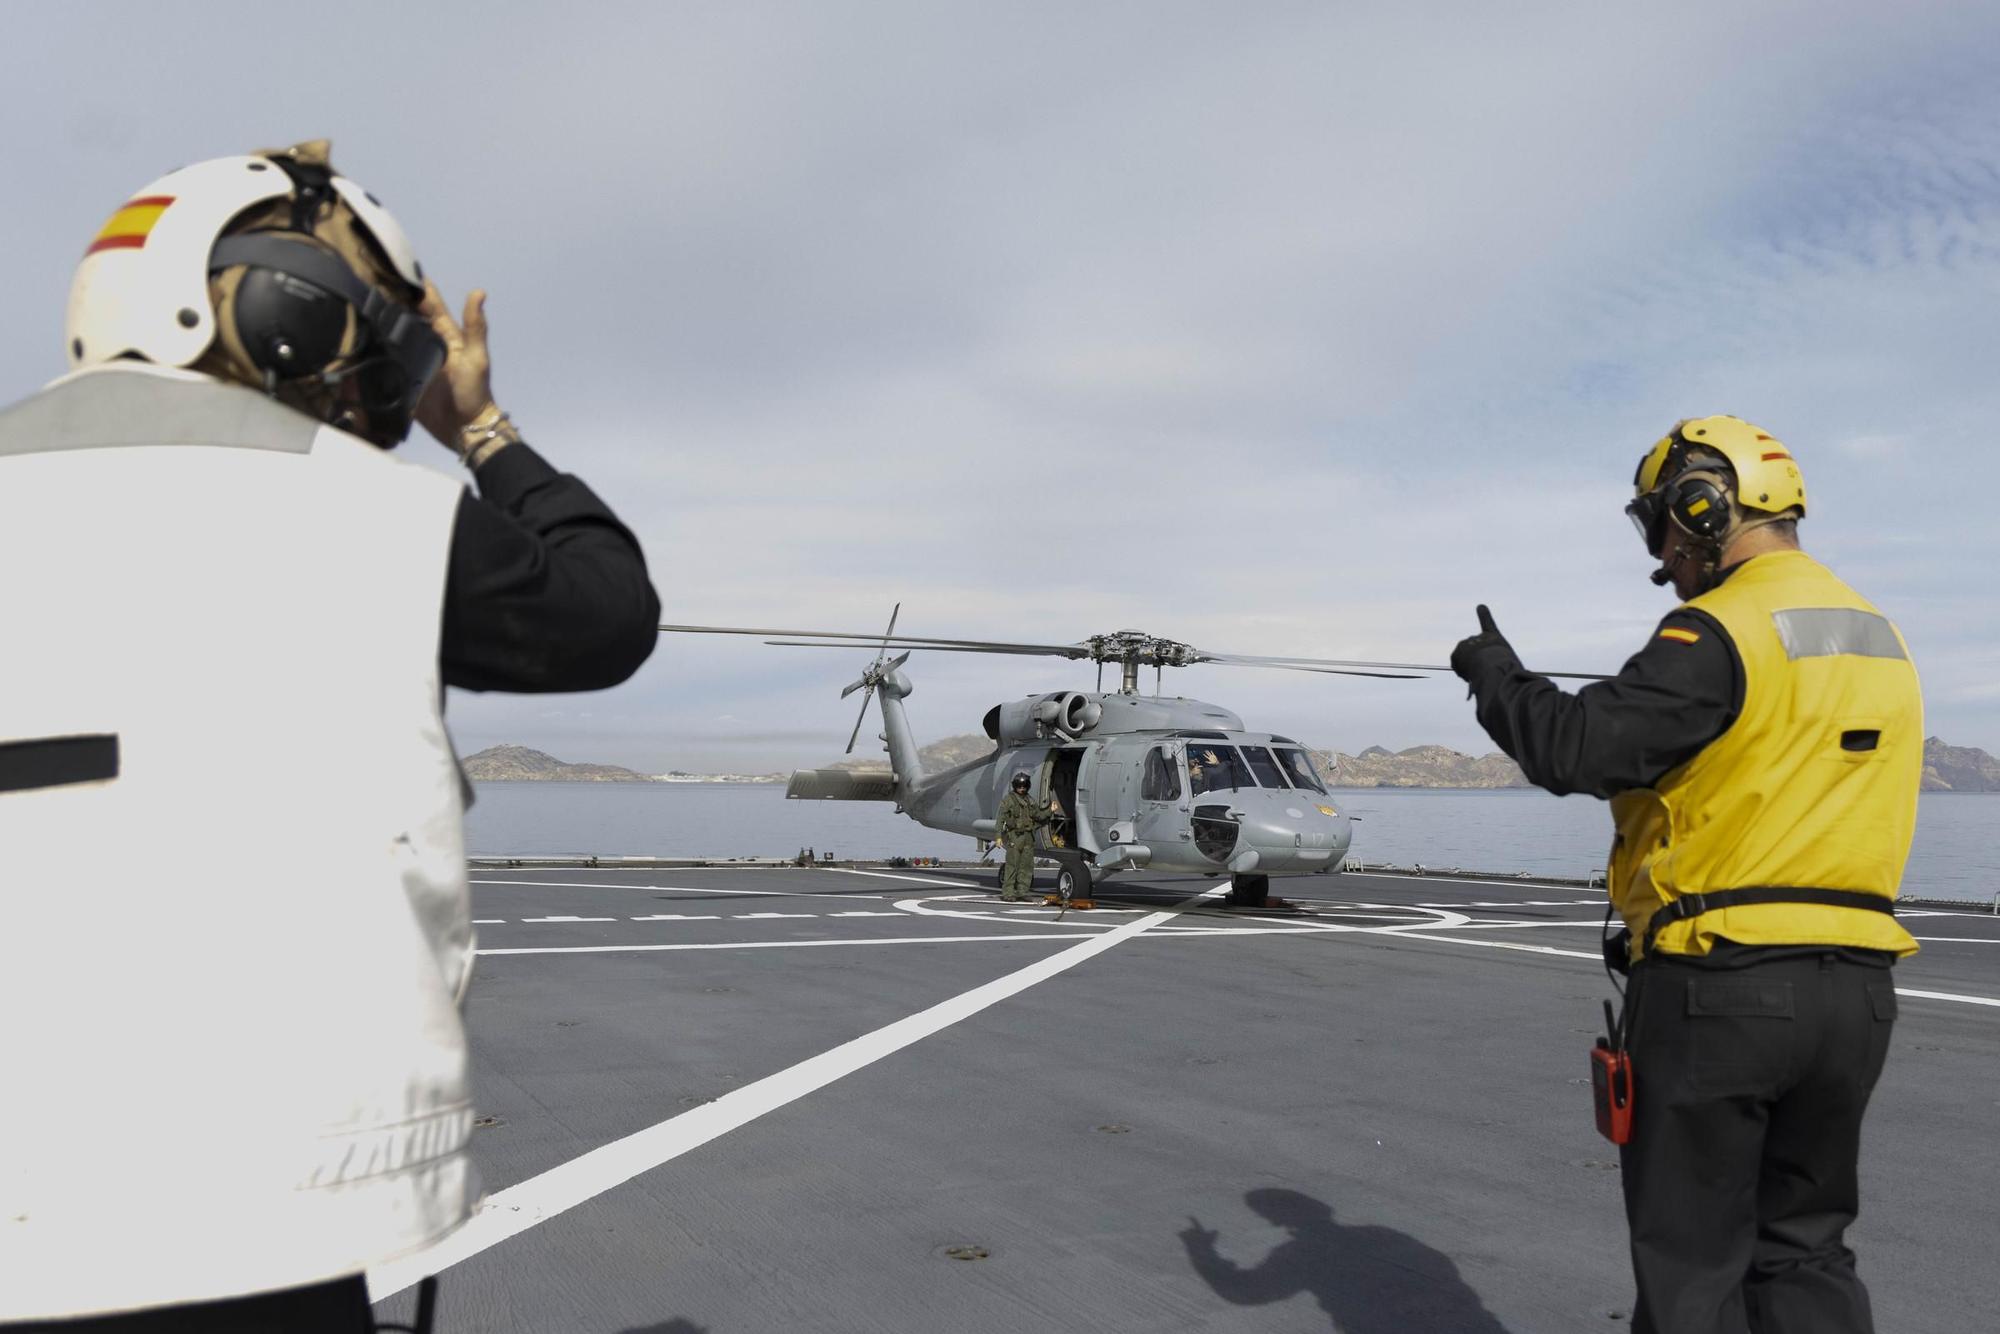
x,y
463,389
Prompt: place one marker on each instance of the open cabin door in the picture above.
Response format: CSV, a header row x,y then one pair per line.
x,y
1060,773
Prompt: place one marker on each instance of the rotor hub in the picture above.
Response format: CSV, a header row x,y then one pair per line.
x,y
1138,648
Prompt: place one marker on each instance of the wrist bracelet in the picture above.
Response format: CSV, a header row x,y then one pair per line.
x,y
486,434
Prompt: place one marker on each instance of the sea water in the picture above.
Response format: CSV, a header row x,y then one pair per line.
x,y
1956,854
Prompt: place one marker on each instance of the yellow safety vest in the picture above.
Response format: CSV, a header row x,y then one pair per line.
x,y
1814,786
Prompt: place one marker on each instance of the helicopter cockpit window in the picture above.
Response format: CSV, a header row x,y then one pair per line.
x,y
1163,777
1302,771
1265,767
1216,768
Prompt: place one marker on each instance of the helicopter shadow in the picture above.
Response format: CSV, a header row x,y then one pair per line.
x,y
1368,1280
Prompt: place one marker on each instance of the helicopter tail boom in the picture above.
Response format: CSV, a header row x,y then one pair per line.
x,y
894,688
841,785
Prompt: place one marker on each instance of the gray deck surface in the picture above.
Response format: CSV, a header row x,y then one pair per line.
x,y
1380,1127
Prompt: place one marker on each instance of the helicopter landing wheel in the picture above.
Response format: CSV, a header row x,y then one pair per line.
x,y
1254,892
1072,884
1249,891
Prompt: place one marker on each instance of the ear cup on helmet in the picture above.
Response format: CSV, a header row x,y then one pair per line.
x,y
1699,506
288,326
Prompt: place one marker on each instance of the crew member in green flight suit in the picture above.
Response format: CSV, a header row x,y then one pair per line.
x,y
1016,825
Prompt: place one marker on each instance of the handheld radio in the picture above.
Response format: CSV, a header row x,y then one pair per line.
x,y
1611,1082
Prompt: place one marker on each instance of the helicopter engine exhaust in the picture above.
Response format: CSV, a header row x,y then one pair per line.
x,y
1069,715
1065,714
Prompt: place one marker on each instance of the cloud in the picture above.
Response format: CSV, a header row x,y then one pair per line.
x,y
1293,329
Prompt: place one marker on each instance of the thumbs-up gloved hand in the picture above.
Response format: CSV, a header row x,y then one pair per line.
x,y
1479,653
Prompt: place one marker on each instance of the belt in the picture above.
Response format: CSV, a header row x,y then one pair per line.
x,y
1694,905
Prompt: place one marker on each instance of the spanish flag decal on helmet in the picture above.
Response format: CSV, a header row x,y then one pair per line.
x,y
1680,636
131,225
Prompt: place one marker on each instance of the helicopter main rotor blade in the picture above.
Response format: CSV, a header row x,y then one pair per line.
x,y
1259,660
869,639
1325,666
1350,666
1324,671
1020,651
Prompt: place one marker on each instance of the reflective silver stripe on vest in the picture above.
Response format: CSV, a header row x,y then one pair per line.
x,y
1822,632
112,409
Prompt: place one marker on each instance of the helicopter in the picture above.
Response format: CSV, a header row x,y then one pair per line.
x,y
1137,782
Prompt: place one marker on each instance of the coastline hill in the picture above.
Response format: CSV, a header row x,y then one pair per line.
x,y
518,764
1420,766
1959,768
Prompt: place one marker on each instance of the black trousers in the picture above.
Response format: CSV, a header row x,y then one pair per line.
x,y
340,1307
1749,1083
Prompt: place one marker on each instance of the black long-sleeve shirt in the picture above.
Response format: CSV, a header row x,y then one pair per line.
x,y
1672,698
546,589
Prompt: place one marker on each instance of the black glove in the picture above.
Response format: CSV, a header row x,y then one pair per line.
x,y
1474,656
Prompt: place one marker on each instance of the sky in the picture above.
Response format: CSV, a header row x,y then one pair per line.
x,y
1273,328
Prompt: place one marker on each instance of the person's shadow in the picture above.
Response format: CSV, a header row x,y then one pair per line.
x,y
674,1326
1369,1280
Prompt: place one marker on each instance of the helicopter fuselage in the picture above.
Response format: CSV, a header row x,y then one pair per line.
x,y
1167,784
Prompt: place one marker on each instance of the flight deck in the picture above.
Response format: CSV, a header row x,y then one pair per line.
x,y
723,1101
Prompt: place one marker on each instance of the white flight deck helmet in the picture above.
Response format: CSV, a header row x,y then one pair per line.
x,y
323,287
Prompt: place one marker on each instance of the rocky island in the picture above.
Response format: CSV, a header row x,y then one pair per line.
x,y
519,764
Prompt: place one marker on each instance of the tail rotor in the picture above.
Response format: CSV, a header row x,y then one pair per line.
x,y
874,676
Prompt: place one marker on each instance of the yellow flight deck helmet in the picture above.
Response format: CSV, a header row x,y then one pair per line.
x,y
1713,477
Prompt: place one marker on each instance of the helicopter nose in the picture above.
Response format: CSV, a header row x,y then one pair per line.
x,y
1293,833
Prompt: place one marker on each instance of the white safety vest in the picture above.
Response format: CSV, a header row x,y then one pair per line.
x,y
231,1058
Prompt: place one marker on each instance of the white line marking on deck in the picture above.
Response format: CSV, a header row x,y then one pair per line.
x,y
1535,903
1338,911
1443,881
1599,958
866,912
489,921
974,906
560,1189
689,917
913,879
683,889
563,917
1487,944
1961,940
765,916
1517,926
779,944
1947,996
1180,932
